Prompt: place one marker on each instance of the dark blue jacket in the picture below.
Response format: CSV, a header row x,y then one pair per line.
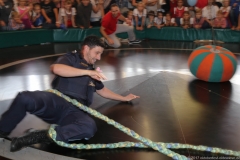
x,y
80,88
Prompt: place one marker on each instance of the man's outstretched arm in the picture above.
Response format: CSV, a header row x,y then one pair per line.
x,y
106,93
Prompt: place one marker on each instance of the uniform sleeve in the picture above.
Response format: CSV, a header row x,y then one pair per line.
x,y
173,20
98,85
155,20
74,11
191,20
164,20
62,12
181,21
64,60
228,8
105,22
144,13
53,5
204,13
135,12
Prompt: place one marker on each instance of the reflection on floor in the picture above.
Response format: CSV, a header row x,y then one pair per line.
x,y
174,106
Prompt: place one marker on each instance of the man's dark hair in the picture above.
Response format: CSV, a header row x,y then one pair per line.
x,y
113,5
93,41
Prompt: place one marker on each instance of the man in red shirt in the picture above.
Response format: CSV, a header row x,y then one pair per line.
x,y
110,28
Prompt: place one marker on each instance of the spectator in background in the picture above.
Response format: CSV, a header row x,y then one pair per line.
x,y
150,19
235,14
151,5
226,10
50,13
5,10
110,28
169,20
159,20
67,15
173,4
15,22
201,4
178,11
24,13
37,17
219,3
199,20
96,17
209,13
130,19
139,14
220,21
135,2
191,10
186,21
84,10
57,4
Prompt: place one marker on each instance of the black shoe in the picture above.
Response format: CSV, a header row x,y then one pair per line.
x,y
136,41
29,139
4,134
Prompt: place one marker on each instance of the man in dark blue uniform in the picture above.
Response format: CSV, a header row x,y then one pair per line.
x,y
75,77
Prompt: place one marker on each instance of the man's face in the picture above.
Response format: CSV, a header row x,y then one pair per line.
x,y
115,11
93,54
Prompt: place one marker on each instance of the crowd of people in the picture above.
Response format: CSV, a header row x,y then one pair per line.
x,y
141,14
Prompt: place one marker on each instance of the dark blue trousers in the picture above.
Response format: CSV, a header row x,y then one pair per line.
x,y
73,123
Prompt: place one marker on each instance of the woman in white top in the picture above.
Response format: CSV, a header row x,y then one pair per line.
x,y
140,14
67,15
96,16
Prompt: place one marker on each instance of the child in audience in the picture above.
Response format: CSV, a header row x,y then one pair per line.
x,y
15,22
159,20
186,21
150,19
139,14
50,14
96,16
220,21
129,19
84,10
178,11
24,13
67,15
173,4
169,21
226,10
191,10
37,17
199,20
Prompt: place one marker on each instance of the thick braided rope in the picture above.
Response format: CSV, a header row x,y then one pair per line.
x,y
146,143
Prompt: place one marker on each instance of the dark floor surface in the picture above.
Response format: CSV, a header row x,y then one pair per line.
x,y
174,106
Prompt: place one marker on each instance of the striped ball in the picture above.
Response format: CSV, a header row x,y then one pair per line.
x,y
212,63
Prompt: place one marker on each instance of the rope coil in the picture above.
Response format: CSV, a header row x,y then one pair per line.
x,y
144,142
